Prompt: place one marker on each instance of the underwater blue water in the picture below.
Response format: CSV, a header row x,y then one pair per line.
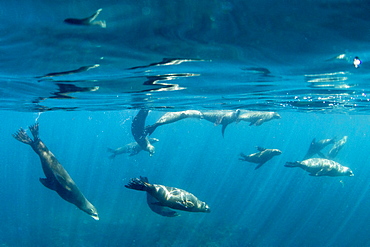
x,y
85,84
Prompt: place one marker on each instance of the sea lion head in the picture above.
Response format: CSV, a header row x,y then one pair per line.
x,y
348,172
90,210
205,208
276,116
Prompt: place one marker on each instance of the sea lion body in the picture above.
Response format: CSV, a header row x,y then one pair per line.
x,y
261,157
171,117
155,207
257,117
221,117
317,146
132,148
139,132
322,167
57,178
170,196
337,147
89,21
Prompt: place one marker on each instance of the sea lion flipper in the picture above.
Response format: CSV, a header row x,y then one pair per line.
x,y
321,155
260,148
35,131
48,183
258,122
259,165
22,136
223,129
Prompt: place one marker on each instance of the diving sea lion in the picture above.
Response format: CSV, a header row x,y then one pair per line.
x,y
158,209
337,147
257,117
169,196
57,178
322,167
171,117
139,133
89,21
261,157
317,146
223,117
132,148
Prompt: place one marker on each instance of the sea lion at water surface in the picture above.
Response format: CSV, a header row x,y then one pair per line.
x,y
223,117
261,157
89,21
171,117
322,167
257,117
57,178
169,196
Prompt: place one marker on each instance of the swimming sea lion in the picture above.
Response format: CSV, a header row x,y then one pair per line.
x,y
171,117
316,147
139,132
158,209
70,72
337,147
57,178
261,157
223,117
257,117
132,148
169,196
89,21
322,167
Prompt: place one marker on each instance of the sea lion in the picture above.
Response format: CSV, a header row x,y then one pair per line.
x,y
257,117
322,167
70,72
337,147
132,148
89,21
153,204
317,146
169,196
57,178
223,117
171,117
261,157
139,133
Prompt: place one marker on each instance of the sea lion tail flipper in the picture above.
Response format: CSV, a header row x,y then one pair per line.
x,y
35,131
137,184
292,164
244,157
113,155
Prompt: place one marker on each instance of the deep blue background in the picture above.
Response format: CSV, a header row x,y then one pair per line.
x,y
272,206
270,53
